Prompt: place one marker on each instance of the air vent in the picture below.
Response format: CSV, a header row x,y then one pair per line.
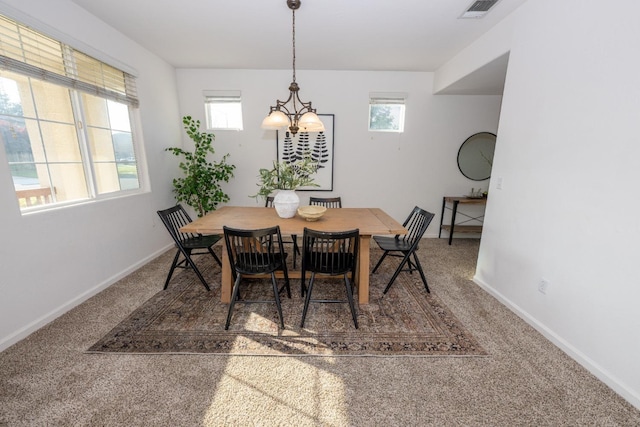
x,y
478,9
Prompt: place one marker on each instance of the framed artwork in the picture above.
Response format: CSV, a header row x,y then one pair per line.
x,y
319,145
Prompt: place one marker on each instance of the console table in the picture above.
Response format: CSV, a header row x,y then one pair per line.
x,y
449,202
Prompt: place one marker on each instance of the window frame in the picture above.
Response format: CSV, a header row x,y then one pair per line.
x,y
389,99
213,98
76,87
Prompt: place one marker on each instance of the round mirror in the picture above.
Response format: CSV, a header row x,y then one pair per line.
x,y
475,156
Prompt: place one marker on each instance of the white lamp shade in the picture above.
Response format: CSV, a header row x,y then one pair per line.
x,y
310,122
275,121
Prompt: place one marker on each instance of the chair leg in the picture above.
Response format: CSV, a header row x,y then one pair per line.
x,y
173,267
398,270
187,255
410,266
307,299
419,268
351,303
286,281
234,297
287,284
277,298
384,255
296,249
215,256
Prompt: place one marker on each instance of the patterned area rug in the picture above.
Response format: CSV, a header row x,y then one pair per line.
x,y
407,321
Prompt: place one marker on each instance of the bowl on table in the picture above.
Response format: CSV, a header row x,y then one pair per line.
x,y
311,212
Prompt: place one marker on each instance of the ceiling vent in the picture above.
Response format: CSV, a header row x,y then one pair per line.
x,y
478,9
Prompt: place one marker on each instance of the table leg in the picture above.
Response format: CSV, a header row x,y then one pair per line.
x,y
227,278
453,220
444,203
362,276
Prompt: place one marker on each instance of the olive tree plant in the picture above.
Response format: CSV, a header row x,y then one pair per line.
x,y
200,186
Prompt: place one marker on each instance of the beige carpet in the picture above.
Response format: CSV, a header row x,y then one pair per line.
x,y
185,318
48,379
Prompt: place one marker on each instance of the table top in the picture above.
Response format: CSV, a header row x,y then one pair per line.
x,y
466,199
369,221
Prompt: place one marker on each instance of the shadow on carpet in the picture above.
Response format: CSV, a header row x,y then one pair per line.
x,y
187,319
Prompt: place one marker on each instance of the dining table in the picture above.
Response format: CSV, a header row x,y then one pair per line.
x,y
369,222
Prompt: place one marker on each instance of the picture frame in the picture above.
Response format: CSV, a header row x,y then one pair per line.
x,y
318,144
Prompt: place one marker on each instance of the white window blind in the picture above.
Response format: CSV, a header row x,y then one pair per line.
x,y
384,100
31,53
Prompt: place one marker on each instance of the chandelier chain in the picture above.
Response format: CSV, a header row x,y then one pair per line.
x,y
293,32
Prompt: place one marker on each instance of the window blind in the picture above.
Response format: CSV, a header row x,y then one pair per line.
x,y
222,96
33,54
387,98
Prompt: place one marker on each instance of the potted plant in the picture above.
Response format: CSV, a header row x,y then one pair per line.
x,y
285,178
200,187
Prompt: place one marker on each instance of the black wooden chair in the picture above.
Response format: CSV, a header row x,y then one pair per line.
x,y
173,219
406,245
293,240
329,254
327,202
252,253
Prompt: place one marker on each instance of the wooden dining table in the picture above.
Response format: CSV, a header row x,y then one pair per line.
x,y
369,221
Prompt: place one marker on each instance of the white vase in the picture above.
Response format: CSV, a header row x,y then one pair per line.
x,y
286,203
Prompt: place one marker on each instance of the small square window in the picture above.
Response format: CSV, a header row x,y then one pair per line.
x,y
223,109
386,112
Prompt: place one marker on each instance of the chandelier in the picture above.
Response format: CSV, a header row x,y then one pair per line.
x,y
293,113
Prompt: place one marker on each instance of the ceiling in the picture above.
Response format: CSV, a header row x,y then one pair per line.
x,y
376,35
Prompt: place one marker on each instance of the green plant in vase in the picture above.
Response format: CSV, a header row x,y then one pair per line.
x,y
284,178
287,176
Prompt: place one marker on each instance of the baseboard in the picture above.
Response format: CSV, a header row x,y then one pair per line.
x,y
603,375
445,236
52,315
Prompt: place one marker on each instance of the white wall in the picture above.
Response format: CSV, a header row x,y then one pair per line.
x,y
567,153
54,260
390,170
492,45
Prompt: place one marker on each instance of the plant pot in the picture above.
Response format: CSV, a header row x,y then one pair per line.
x,y
286,203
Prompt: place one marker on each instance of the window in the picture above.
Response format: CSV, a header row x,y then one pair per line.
x,y
386,112
223,109
65,121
